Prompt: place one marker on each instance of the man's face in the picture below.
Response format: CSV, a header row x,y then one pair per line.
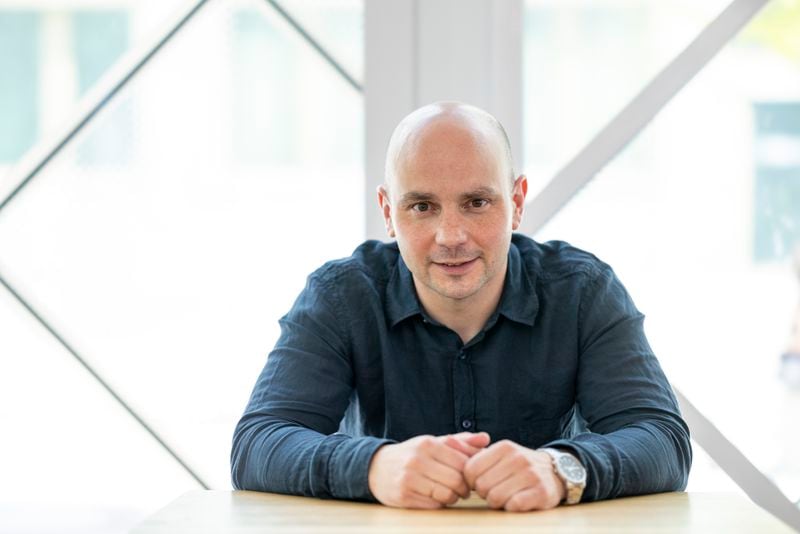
x,y
452,208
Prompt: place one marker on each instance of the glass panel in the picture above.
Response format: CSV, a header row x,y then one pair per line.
x,y
73,461
698,216
584,60
51,55
19,31
168,271
100,38
337,25
777,195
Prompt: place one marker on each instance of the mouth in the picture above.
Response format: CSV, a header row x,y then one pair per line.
x,y
456,267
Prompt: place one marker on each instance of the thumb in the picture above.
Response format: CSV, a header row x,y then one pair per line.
x,y
479,439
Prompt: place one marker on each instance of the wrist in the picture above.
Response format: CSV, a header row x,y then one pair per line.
x,y
571,473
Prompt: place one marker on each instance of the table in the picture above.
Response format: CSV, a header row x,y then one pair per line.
x,y
250,512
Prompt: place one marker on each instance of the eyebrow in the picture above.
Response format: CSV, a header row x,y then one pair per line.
x,y
480,193
419,196
416,196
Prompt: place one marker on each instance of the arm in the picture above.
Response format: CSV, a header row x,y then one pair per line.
x,y
286,442
638,441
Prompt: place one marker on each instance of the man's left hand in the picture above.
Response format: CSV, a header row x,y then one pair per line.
x,y
514,477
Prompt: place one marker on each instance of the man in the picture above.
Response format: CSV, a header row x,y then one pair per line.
x,y
461,357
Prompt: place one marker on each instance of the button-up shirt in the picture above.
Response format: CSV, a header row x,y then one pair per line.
x,y
562,362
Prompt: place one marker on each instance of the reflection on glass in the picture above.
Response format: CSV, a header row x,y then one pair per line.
x,y
699,216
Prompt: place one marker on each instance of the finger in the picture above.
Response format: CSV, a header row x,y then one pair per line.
x,y
461,446
445,475
527,500
447,455
428,488
484,460
498,495
477,439
508,466
421,502
444,495
418,492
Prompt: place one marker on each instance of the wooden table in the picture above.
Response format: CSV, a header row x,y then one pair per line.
x,y
251,512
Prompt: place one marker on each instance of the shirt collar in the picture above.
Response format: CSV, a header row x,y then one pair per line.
x,y
518,301
401,295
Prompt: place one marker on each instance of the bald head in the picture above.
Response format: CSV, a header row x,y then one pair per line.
x,y
431,129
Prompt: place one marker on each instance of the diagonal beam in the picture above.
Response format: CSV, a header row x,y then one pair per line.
x,y
25,304
637,114
759,488
313,43
46,153
96,103
604,147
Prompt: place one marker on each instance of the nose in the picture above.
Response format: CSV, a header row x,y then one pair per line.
x,y
451,232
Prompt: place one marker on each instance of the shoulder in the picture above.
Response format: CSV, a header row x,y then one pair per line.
x,y
556,260
371,263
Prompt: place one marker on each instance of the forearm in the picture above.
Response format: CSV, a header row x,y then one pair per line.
x,y
272,454
649,456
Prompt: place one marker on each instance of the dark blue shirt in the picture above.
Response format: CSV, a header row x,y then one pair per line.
x,y
563,362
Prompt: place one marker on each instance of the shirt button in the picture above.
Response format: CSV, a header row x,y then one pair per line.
x,y
462,355
466,423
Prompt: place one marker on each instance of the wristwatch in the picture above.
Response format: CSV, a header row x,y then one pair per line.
x,y
570,471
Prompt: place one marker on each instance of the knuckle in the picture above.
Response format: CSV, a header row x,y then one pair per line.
x,y
454,480
493,500
405,480
531,475
414,463
404,494
516,503
426,442
449,496
518,460
506,446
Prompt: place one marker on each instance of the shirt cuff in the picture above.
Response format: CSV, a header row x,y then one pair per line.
x,y
348,470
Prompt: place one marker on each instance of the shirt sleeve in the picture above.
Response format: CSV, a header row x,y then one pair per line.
x,y
287,439
637,441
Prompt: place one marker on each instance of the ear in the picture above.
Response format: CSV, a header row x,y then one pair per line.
x,y
386,209
518,194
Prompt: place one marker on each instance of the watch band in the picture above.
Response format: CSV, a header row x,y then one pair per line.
x,y
575,480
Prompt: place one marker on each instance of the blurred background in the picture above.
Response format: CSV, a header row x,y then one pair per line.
x,y
163,240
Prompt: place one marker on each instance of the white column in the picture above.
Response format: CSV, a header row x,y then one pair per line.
x,y
421,51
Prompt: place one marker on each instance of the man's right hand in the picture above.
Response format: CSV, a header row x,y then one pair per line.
x,y
425,471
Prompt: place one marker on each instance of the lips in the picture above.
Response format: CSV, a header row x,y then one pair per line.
x,y
456,267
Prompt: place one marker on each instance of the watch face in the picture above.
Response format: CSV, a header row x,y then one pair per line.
x,y
571,468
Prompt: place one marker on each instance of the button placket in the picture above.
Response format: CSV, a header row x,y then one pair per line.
x,y
463,391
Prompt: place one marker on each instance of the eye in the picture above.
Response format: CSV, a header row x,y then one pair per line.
x,y
421,207
478,203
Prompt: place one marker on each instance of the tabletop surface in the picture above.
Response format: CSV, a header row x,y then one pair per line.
x,y
251,512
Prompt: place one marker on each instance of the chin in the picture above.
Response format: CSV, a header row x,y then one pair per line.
x,y
457,293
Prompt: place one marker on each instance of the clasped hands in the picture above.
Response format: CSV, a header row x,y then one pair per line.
x,y
435,471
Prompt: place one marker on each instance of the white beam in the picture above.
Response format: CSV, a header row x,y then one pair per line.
x,y
637,114
421,51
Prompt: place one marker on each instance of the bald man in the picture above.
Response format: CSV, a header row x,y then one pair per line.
x,y
461,356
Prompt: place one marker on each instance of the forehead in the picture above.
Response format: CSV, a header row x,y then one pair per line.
x,y
450,157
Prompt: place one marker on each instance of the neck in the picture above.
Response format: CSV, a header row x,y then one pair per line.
x,y
466,316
